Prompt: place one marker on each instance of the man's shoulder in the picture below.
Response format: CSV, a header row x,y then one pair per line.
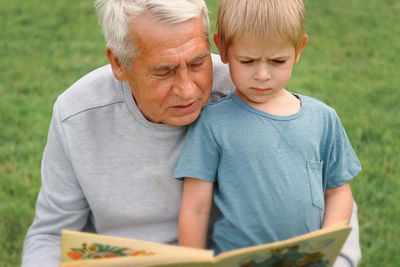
x,y
96,89
222,81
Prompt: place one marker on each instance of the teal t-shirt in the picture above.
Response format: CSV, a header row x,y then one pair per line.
x,y
270,172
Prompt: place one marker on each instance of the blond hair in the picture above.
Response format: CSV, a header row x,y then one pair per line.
x,y
267,19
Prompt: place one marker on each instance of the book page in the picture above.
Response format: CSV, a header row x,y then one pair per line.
x,y
86,249
320,248
156,261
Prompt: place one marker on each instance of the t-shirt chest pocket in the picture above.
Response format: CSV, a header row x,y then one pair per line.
x,y
314,170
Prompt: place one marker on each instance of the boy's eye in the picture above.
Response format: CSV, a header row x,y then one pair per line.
x,y
279,61
246,61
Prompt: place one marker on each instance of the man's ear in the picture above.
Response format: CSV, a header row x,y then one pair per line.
x,y
220,50
303,43
116,65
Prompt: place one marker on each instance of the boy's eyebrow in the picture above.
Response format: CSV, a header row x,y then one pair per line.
x,y
256,57
280,56
247,55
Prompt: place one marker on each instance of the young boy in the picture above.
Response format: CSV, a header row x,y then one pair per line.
x,y
278,163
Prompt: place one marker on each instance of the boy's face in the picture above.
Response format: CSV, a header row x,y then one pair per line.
x,y
260,69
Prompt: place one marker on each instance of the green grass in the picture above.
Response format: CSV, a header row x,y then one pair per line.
x,y
351,63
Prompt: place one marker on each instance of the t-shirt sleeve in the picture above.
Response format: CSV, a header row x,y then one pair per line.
x,y
200,154
343,164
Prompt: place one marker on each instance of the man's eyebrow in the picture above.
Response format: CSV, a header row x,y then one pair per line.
x,y
198,58
195,60
164,68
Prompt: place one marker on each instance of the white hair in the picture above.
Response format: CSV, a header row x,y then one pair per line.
x,y
114,17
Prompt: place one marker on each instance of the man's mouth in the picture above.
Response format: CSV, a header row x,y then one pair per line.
x,y
187,107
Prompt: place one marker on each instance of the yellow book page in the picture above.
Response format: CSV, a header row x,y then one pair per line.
x,y
320,247
156,261
86,249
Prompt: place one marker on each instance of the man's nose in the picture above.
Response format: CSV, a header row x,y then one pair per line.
x,y
184,85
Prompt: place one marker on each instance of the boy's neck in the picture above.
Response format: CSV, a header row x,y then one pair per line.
x,y
282,103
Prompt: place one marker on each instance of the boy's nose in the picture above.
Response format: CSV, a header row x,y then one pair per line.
x,y
262,73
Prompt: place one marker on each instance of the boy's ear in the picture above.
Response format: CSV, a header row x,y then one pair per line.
x,y
116,65
220,50
303,43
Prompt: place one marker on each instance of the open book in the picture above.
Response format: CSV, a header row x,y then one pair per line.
x,y
318,248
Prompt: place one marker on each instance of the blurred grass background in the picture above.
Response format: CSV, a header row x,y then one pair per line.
x,y
351,63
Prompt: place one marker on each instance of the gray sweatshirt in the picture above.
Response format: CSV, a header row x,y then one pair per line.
x,y
107,169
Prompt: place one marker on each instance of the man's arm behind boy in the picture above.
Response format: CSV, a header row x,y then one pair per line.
x,y
350,255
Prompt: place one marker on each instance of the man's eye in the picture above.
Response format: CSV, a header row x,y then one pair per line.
x,y
162,74
196,65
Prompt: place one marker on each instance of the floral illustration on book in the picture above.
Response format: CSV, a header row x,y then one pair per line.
x,y
296,255
100,251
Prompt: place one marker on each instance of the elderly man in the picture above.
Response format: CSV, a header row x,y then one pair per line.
x,y
116,134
